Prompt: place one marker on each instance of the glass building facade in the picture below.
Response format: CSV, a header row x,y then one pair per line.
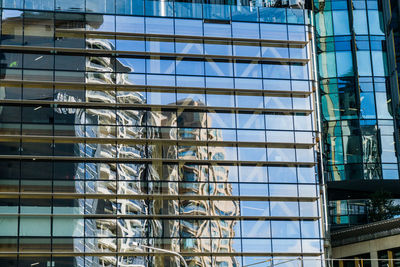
x,y
190,127
359,106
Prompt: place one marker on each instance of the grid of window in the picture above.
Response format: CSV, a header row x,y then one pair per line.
x,y
356,101
359,130
254,11
188,135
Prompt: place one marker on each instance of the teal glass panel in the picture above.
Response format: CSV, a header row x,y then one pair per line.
x,y
244,13
330,111
187,10
39,4
375,21
295,16
13,3
70,5
129,24
323,22
188,27
159,9
219,12
360,22
390,171
8,226
276,15
68,227
341,22
34,226
102,6
382,106
130,7
367,106
388,150
344,61
379,63
364,63
327,70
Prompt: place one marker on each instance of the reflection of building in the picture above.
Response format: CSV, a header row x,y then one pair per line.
x,y
186,133
359,99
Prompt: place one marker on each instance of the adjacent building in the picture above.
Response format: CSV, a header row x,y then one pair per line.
x,y
359,105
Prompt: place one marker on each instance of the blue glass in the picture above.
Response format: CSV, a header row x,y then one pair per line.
x,y
299,72
341,22
382,106
130,65
273,31
13,3
250,121
70,5
244,13
39,4
276,85
218,100
189,46
344,61
217,12
188,67
360,22
276,52
105,6
159,8
296,32
190,81
129,24
160,66
276,71
215,68
285,229
245,30
217,30
188,27
275,15
252,84
249,101
364,63
188,10
248,70
256,229
167,80
379,63
251,136
130,7
375,21
159,25
219,82
295,16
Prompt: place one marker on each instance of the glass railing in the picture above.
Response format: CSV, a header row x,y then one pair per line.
x,y
169,9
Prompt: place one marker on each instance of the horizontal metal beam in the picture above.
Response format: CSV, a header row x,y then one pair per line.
x,y
155,160
146,141
37,195
290,43
44,253
103,52
60,104
198,216
141,88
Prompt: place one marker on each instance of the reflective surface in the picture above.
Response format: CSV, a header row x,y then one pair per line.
x,y
359,128
133,133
